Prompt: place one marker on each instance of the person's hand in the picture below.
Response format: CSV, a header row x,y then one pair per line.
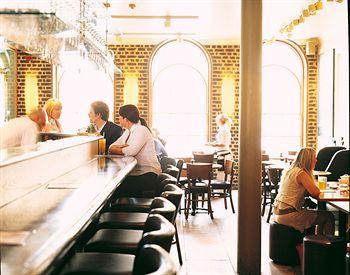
x,y
117,148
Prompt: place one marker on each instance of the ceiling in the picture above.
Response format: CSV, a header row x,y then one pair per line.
x,y
215,20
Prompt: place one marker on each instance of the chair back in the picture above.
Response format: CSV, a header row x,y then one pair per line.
x,y
203,158
173,193
165,161
179,165
325,155
162,180
228,169
274,175
163,207
158,230
152,259
199,171
339,165
265,157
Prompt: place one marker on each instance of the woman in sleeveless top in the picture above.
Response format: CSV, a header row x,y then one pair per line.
x,y
296,181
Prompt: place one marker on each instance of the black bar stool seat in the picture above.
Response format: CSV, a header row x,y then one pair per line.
x,y
125,220
324,255
123,241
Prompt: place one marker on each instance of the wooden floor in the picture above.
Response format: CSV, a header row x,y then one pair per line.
x,y
210,246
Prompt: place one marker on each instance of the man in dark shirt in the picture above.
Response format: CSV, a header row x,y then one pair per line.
x,y
99,113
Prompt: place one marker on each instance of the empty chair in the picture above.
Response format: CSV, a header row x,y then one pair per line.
x,y
170,192
224,188
157,230
128,220
203,158
142,205
324,255
265,187
325,155
339,165
151,259
195,173
274,175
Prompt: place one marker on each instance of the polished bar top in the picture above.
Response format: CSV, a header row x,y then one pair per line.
x,y
16,154
55,213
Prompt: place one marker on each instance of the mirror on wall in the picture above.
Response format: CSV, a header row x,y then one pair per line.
x,y
7,85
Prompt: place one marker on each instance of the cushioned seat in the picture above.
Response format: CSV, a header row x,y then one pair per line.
x,y
122,220
99,264
151,259
142,205
158,230
132,205
324,255
283,241
115,240
129,220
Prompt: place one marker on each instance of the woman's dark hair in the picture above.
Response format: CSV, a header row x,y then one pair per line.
x,y
131,112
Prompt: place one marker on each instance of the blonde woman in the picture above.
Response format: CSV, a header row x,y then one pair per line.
x,y
53,108
296,181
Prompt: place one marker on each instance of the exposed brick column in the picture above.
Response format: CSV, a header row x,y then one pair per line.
x,y
28,63
132,59
225,62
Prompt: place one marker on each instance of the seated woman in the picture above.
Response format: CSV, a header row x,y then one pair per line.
x,y
53,108
136,141
295,182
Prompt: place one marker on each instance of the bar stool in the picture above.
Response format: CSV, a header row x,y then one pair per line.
x,y
157,230
171,192
151,259
324,255
129,220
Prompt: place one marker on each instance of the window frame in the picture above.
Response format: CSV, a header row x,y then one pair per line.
x,y
208,86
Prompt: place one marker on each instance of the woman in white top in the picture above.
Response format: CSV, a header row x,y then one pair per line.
x,y
223,135
296,181
136,141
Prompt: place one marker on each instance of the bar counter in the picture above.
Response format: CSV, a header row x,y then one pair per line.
x,y
52,213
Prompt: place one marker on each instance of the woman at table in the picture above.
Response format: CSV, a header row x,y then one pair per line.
x,y
296,181
53,108
136,141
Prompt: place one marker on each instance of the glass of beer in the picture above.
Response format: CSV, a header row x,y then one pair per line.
x,y
322,182
102,146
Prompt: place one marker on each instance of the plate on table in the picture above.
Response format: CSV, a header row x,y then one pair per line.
x,y
333,185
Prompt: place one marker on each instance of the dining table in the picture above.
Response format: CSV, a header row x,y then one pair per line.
x,y
338,197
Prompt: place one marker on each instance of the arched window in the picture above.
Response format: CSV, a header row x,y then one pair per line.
x,y
282,98
77,89
179,85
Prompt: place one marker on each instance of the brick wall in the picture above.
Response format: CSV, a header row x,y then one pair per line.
x,y
132,59
312,97
28,63
225,61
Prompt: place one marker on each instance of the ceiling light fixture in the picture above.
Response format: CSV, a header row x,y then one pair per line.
x,y
167,22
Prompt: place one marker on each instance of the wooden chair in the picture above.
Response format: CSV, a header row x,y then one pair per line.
x,y
224,188
203,158
196,172
274,175
265,188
